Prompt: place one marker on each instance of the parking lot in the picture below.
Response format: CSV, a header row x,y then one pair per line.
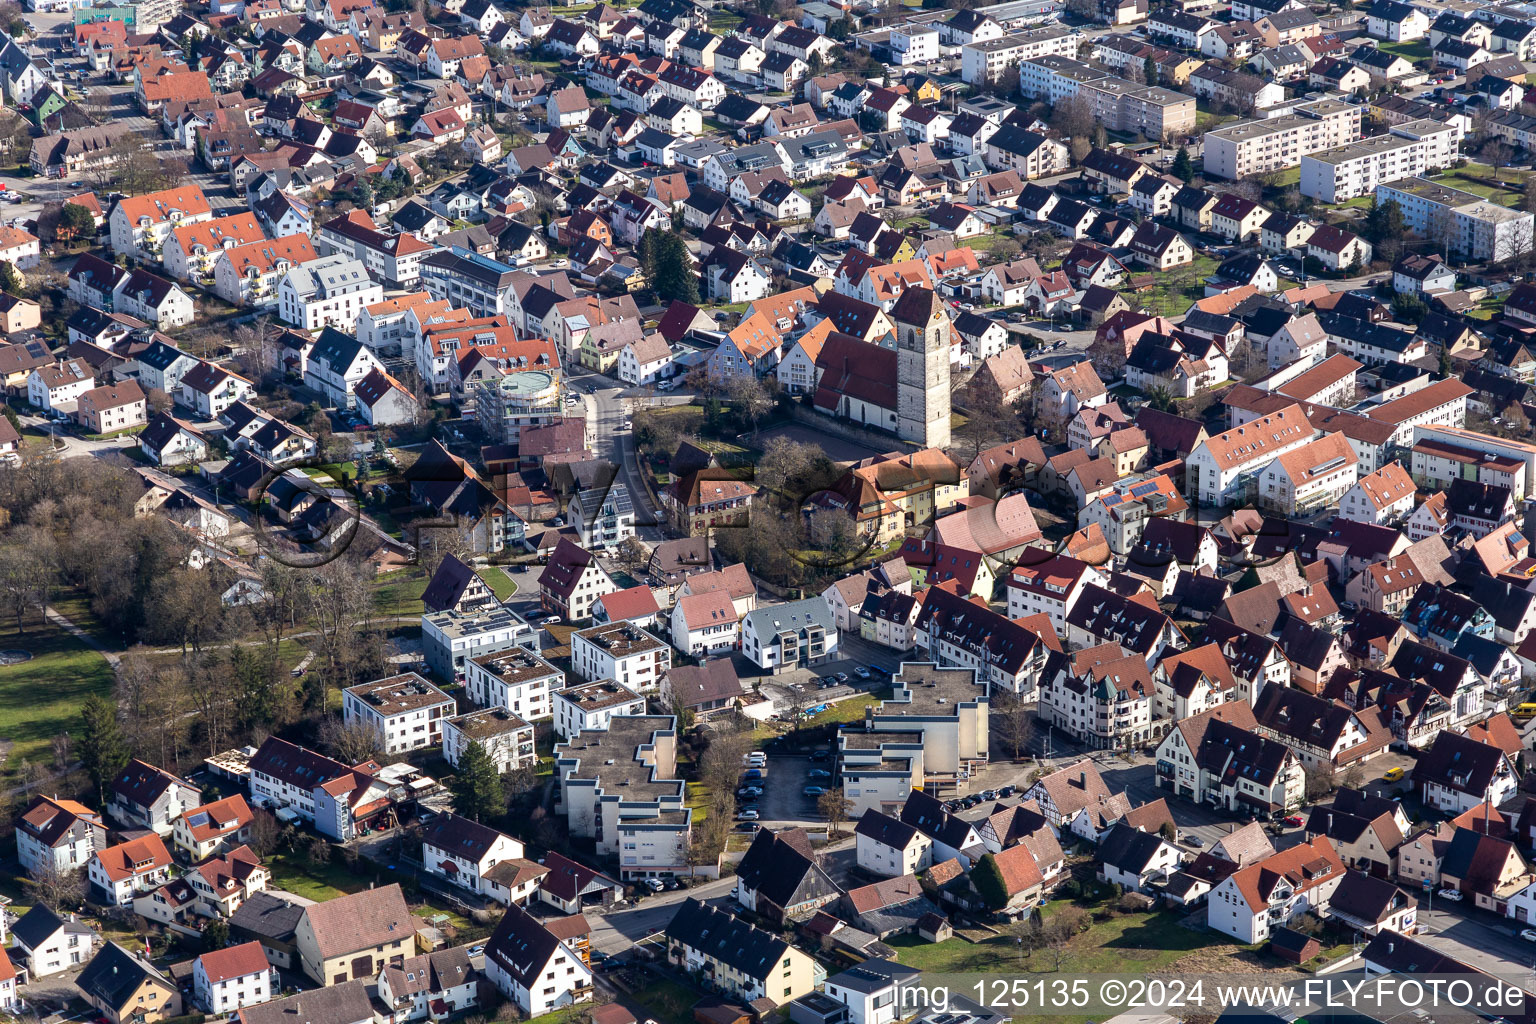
x,y
783,800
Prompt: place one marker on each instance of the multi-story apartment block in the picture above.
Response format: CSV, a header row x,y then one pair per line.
x,y
1465,224
982,62
450,638
1149,110
329,291
1118,104
58,835
507,404
1410,149
1277,143
467,279
620,787
591,706
506,738
405,710
517,680
623,652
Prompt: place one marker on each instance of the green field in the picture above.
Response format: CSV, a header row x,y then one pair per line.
x,y
1416,51
1176,288
1126,943
41,698
399,592
500,581
292,872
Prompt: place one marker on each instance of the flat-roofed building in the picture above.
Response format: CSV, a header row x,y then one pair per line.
x,y
592,706
1346,172
405,710
1278,143
623,652
517,680
1466,224
984,62
619,786
501,734
1443,454
450,638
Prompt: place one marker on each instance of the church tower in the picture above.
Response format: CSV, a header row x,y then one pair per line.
x,y
922,368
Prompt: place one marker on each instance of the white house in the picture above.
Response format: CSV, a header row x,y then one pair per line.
x,y
515,680
466,853
889,847
1252,901
532,968
782,636
623,652
224,980
405,711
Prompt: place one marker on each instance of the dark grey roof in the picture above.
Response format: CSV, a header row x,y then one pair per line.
x,y
750,951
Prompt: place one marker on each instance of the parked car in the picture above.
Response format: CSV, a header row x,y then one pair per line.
x,y
1449,894
862,672
821,755
1293,820
747,814
842,677
754,773
653,884
1528,934
814,790
1007,791
1195,841
818,773
1393,774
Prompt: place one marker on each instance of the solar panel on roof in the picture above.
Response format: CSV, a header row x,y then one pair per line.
x,y
1141,489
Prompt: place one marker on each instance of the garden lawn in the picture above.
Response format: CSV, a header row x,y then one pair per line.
x,y
1176,288
1415,51
1125,944
500,581
41,698
293,873
670,1000
849,709
399,592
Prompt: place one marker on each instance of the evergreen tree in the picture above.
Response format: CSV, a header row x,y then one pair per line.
x,y
674,279
1149,70
987,878
101,742
76,221
10,280
477,789
1183,166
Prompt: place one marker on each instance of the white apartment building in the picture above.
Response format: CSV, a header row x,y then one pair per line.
x,y
1465,224
982,62
1411,149
506,739
1055,78
1049,585
517,680
1224,469
623,652
914,44
1278,143
592,706
405,710
450,638
58,835
224,980
620,787
330,291
1311,477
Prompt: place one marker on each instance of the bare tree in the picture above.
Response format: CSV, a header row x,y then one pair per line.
x,y
57,890
349,742
1013,720
835,808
